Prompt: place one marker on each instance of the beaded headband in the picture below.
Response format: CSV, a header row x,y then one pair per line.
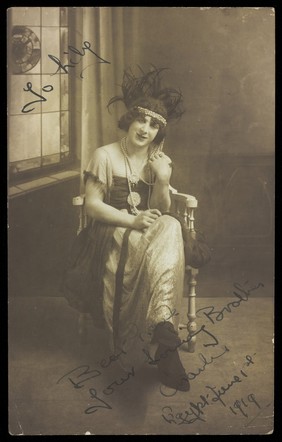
x,y
152,114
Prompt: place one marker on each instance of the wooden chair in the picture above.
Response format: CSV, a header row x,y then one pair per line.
x,y
184,205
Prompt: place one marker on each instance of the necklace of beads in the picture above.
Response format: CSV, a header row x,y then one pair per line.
x,y
134,198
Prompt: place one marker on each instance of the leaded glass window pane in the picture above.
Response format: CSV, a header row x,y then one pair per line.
x,y
38,101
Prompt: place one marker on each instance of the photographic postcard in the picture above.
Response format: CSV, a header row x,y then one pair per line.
x,y
65,64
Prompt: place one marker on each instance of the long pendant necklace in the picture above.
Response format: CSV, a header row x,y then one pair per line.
x,y
134,198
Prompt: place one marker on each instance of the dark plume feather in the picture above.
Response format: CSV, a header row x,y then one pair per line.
x,y
148,85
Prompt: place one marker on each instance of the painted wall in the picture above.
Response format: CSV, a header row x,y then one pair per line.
x,y
223,60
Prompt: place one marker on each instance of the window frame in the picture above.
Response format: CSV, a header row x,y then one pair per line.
x,y
71,162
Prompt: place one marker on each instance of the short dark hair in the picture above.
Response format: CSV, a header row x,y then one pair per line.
x,y
127,119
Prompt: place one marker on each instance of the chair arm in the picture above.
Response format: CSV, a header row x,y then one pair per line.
x,y
78,200
188,200
183,198
184,205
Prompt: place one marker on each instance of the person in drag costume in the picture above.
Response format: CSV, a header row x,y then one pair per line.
x,y
133,262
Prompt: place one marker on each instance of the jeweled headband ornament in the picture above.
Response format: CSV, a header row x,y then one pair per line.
x,y
152,114
146,93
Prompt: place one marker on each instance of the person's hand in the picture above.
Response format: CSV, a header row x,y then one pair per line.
x,y
145,219
160,165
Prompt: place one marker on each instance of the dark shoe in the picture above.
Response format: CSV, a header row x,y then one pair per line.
x,y
170,368
165,334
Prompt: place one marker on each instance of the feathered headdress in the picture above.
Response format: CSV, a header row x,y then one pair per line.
x,y
145,93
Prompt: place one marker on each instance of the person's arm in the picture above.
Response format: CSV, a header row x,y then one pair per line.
x,y
97,209
161,166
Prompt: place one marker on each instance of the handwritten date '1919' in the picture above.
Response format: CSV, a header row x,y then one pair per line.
x,y
238,404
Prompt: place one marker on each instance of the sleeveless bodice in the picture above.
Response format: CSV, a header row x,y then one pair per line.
x,y
119,192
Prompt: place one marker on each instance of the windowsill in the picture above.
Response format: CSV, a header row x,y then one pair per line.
x,y
39,183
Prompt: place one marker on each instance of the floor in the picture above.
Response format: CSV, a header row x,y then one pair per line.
x,y
60,386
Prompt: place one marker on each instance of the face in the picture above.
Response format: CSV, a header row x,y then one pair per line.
x,y
143,131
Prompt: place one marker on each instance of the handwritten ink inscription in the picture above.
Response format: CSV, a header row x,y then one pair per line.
x,y
195,411
94,408
86,48
212,394
244,402
80,376
47,88
218,315
65,67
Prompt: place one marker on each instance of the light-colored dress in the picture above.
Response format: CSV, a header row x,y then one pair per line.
x,y
153,275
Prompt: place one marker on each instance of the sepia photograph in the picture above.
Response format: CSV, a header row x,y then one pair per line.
x,y
141,186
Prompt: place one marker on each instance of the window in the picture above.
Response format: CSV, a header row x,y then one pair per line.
x,y
38,93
